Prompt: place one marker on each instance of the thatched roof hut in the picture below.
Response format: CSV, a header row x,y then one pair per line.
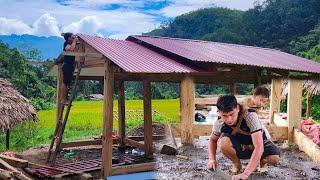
x,y
312,87
14,108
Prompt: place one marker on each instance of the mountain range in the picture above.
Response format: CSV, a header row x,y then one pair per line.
x,y
47,47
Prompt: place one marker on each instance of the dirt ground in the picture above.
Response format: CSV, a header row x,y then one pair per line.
x,y
294,164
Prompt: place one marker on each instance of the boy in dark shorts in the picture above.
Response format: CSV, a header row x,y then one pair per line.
x,y
68,64
241,137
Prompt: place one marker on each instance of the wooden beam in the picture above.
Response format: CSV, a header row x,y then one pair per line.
x,y
121,113
307,145
107,120
276,132
279,121
309,104
15,162
7,139
210,77
17,173
135,144
81,143
294,106
82,54
99,142
141,138
187,108
134,168
59,93
147,118
94,63
233,88
275,99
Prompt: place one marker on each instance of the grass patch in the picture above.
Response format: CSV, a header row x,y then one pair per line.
x,y
85,121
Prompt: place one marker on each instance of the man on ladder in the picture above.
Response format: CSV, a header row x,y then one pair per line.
x,y
68,70
68,65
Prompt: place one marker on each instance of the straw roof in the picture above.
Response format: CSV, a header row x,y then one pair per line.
x,y
14,108
311,87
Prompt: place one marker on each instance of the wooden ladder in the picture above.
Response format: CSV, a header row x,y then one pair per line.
x,y
61,124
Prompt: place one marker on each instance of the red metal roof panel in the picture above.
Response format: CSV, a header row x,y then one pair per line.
x,y
206,51
133,57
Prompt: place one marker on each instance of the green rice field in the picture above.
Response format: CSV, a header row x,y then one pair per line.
x,y
85,121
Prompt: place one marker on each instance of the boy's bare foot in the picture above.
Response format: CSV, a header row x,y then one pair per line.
x,y
263,167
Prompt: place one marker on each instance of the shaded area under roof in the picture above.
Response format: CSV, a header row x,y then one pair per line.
x,y
205,51
14,108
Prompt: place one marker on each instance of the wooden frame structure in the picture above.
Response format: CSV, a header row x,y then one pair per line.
x,y
112,74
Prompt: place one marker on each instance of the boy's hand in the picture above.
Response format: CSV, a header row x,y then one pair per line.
x,y
212,165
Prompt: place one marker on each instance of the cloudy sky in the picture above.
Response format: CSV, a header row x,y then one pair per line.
x,y
109,18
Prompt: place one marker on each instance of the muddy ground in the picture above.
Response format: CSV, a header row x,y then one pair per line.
x,y
294,164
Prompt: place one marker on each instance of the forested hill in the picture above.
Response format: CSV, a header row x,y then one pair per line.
x,y
272,24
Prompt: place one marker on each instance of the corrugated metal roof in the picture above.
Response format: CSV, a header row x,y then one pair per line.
x,y
133,57
205,51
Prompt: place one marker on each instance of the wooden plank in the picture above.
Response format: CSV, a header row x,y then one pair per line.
x,y
82,54
16,173
7,139
107,120
135,144
134,168
309,104
141,138
307,145
294,106
276,132
212,101
94,63
147,114
233,88
81,143
121,113
15,162
275,99
59,92
279,121
187,109
4,174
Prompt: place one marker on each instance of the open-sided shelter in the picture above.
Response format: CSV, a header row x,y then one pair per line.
x,y
161,59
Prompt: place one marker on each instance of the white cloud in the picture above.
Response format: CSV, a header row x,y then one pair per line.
x,y
13,26
46,25
87,25
87,16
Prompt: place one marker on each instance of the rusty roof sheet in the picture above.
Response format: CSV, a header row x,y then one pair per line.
x,y
205,51
133,57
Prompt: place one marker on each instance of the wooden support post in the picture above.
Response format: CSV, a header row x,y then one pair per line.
x,y
147,118
59,92
187,95
258,81
294,106
309,104
7,139
107,120
233,88
121,114
275,99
